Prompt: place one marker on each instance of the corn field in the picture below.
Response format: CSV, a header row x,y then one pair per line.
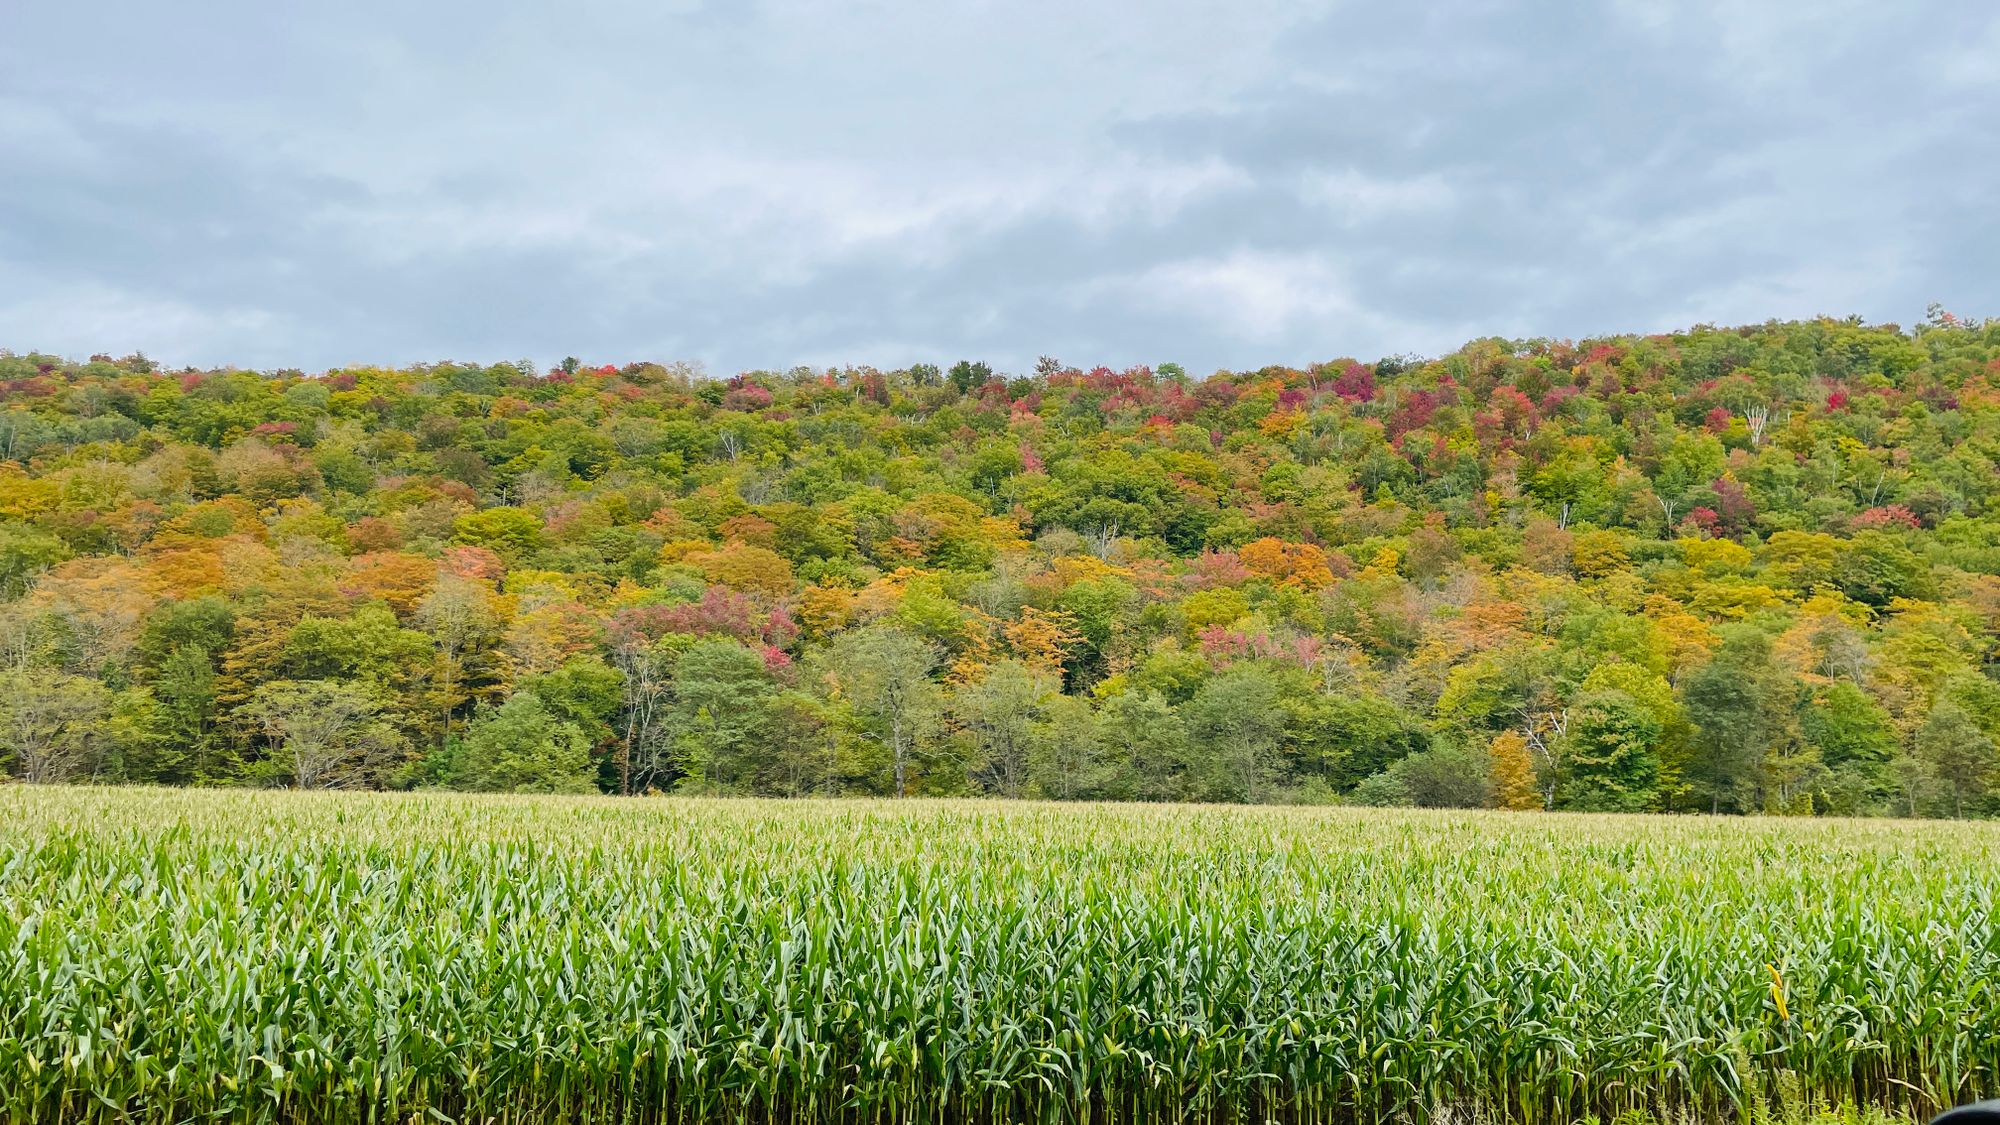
x,y
198,956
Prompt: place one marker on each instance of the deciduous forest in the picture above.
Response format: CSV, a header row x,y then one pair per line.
x,y
1735,570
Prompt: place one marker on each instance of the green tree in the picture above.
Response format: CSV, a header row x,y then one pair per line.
x,y
322,735
1236,723
523,747
50,724
1609,759
25,552
1959,756
719,717
968,375
1448,777
1691,460
999,712
188,748
368,648
1145,739
583,691
1855,741
1874,568
1067,759
206,625
1742,707
1350,737
510,531
813,749
885,672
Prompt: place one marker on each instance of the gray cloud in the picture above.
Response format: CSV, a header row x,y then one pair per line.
x,y
766,184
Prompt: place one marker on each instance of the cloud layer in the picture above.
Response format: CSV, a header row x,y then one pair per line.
x,y
763,184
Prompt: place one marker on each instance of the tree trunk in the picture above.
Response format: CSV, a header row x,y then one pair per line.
x,y
896,751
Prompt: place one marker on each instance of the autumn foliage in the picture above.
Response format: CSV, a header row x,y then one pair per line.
x,y
1741,570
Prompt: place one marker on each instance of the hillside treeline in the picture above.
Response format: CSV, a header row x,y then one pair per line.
x,y
1739,570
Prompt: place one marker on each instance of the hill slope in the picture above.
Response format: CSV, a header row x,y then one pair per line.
x,y
1749,569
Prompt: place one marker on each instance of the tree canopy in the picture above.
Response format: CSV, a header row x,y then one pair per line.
x,y
1741,570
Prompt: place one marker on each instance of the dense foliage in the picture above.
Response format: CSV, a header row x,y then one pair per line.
x,y
191,956
1744,570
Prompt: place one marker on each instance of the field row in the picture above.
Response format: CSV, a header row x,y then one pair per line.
x,y
182,955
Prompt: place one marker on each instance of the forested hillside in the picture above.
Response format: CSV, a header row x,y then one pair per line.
x,y
1742,570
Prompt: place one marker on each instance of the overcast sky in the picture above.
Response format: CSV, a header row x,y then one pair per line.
x,y
763,184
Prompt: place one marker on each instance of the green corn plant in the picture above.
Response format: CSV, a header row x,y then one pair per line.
x,y
285,957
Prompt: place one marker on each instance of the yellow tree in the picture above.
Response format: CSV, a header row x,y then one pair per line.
x,y
741,566
1043,639
398,579
101,602
462,618
1513,772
